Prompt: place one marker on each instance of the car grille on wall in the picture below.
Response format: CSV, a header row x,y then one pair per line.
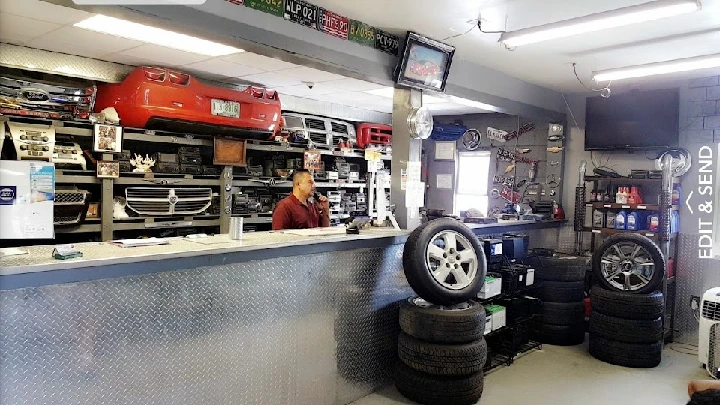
x,y
70,206
168,201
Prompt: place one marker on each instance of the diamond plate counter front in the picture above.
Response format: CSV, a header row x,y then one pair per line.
x,y
316,329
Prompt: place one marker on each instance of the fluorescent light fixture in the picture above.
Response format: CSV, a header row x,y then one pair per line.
x,y
157,36
651,11
659,68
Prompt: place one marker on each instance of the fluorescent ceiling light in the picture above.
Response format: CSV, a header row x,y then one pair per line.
x,y
653,10
389,92
659,68
157,36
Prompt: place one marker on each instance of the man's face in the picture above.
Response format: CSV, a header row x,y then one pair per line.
x,y
306,185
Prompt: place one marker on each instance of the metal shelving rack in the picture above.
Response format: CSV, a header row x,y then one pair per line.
x,y
666,239
106,225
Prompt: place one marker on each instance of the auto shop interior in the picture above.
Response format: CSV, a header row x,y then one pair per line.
x,y
341,202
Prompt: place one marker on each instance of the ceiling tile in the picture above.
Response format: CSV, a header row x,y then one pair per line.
x,y
222,67
164,56
126,59
43,11
319,89
309,74
258,61
75,41
14,38
350,84
272,79
13,25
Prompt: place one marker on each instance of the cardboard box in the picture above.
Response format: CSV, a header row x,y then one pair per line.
x,y
498,316
491,288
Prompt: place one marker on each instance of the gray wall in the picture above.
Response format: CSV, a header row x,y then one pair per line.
x,y
535,140
700,126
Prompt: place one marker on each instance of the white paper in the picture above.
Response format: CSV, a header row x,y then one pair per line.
x,y
415,194
414,171
444,150
140,242
27,193
12,252
403,179
333,230
444,181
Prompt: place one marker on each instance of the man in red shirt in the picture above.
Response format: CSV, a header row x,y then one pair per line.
x,y
299,210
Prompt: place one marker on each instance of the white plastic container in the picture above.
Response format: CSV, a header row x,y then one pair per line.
x,y
491,288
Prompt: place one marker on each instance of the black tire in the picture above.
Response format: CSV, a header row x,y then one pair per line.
x,y
628,306
563,313
438,390
461,323
562,291
562,335
561,268
419,275
647,244
626,330
437,359
635,355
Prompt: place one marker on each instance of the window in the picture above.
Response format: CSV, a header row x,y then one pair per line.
x,y
472,181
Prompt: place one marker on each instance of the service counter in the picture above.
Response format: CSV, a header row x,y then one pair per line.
x,y
272,319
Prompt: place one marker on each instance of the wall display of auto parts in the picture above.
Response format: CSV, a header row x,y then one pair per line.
x,y
331,23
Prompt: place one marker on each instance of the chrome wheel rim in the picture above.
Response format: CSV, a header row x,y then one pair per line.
x,y
452,260
627,266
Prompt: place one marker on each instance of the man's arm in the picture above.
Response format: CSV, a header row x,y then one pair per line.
x,y
324,208
281,218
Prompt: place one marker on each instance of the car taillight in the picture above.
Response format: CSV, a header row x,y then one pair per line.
x,y
257,92
90,91
179,78
155,74
270,94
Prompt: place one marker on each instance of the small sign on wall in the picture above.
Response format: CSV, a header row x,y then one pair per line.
x,y
444,181
444,150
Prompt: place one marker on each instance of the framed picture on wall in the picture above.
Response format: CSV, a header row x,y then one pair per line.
x,y
108,138
444,150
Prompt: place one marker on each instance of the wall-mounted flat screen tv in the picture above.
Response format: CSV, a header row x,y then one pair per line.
x,y
633,120
425,63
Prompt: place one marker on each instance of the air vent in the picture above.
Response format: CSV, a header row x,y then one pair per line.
x,y
711,310
714,349
316,124
70,197
339,128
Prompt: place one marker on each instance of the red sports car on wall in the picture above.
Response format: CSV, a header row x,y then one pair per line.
x,y
163,99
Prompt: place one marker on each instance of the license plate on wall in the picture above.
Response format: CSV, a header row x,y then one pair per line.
x,y
301,12
333,24
225,108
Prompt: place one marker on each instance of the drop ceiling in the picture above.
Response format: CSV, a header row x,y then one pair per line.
x,y
41,25
548,64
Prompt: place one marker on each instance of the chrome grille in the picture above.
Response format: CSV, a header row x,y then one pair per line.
x,y
339,127
711,310
168,201
71,196
318,138
314,123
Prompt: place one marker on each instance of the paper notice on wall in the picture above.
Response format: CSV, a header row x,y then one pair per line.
x,y
444,150
444,181
415,194
414,171
403,179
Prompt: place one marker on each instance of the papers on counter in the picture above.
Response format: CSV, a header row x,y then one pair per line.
x,y
126,243
12,252
333,230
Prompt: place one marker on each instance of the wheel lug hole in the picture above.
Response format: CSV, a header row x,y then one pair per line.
x,y
458,257
444,255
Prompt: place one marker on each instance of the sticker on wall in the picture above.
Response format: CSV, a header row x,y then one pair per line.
x,y
333,24
444,181
301,12
361,33
8,195
274,7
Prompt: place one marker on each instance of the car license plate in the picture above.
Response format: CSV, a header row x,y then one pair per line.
x,y
225,108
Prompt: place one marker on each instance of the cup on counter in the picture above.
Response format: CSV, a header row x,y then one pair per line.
x,y
236,228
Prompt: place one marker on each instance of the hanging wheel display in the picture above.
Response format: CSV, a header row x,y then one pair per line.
x,y
444,262
631,263
681,163
420,121
471,139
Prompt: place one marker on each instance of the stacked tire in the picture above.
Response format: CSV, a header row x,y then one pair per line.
x,y
562,293
442,352
626,322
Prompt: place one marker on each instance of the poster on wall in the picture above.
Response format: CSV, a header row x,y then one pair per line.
x,y
333,24
361,33
274,7
27,195
301,12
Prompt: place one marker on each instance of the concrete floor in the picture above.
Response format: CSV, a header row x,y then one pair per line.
x,y
570,376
